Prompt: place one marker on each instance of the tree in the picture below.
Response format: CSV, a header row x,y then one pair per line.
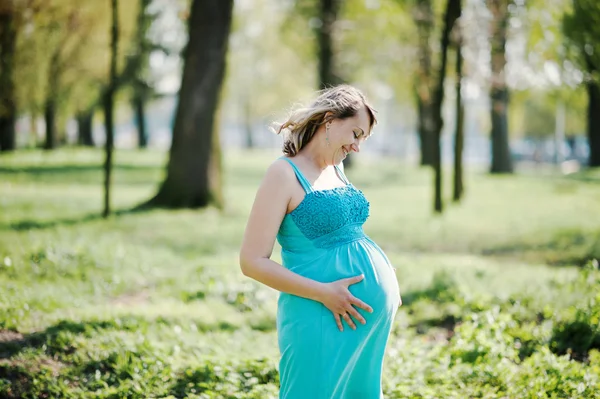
x,y
424,19
52,100
136,72
85,119
451,14
582,28
328,74
194,170
550,106
459,134
328,12
322,16
501,156
67,31
59,60
8,102
141,89
109,105
279,77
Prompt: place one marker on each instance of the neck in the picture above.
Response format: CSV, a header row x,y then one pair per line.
x,y
315,157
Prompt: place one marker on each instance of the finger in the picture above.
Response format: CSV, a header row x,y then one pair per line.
x,y
338,321
356,315
348,319
361,304
355,279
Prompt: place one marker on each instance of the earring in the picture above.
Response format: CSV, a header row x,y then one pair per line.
x,y
327,132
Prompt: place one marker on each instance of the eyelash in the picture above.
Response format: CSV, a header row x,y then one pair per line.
x,y
356,134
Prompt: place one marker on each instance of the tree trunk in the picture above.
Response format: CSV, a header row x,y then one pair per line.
x,y
194,171
423,15
50,119
327,69
452,13
501,157
328,75
593,122
51,105
459,135
84,128
140,119
8,101
425,129
138,68
109,106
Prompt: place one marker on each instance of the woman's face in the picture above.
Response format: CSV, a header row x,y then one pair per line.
x,y
347,135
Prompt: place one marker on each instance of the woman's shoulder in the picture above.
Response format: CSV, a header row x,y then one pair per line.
x,y
280,171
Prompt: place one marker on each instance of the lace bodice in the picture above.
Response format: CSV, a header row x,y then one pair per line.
x,y
329,217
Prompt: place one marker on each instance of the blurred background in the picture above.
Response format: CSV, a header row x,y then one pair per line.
x,y
134,134
56,56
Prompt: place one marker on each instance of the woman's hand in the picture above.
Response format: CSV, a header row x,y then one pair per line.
x,y
337,298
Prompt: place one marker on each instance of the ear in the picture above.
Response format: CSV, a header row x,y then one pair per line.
x,y
328,117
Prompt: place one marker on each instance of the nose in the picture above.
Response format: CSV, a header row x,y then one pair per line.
x,y
355,147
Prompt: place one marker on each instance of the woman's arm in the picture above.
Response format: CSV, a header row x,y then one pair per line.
x,y
268,211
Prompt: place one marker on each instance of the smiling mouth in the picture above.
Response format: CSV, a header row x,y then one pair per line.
x,y
345,151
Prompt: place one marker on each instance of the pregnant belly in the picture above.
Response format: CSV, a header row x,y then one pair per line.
x,y
379,288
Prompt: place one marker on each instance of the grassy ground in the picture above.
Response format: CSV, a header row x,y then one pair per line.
x,y
499,292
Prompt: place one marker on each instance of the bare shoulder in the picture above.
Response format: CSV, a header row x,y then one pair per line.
x,y
279,173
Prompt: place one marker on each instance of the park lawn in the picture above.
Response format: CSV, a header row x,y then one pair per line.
x,y
500,292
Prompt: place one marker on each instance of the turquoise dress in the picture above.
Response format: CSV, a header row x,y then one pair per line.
x,y
323,239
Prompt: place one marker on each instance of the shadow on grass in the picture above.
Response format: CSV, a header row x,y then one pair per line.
x,y
56,339
433,294
59,338
442,289
566,248
31,379
443,318
24,225
73,169
442,292
447,322
82,175
224,376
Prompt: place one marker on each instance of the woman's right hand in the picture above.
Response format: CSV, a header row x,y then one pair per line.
x,y
337,298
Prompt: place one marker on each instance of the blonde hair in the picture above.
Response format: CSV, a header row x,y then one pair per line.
x,y
341,101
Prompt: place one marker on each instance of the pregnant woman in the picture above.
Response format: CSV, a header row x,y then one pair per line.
x,y
338,291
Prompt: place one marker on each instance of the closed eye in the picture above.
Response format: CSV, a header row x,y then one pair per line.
x,y
358,133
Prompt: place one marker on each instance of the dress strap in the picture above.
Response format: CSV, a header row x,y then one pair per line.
x,y
341,174
303,182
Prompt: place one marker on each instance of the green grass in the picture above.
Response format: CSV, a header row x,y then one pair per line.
x,y
499,292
